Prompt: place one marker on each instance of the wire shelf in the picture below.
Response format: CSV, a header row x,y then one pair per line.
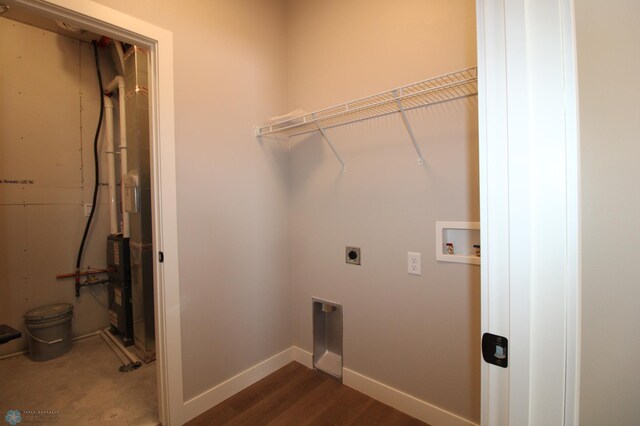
x,y
444,88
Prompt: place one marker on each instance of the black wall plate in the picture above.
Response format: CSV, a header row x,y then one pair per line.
x,y
495,349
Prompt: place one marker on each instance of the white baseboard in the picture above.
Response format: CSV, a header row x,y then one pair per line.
x,y
395,398
214,396
399,400
303,357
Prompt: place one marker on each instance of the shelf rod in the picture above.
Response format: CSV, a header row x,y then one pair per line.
x,y
397,94
328,141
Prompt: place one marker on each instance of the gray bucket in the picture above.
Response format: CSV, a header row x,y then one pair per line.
x,y
49,331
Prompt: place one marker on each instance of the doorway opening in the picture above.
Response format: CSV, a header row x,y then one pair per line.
x,y
52,140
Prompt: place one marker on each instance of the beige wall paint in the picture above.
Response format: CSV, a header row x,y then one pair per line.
x,y
244,205
49,110
232,190
417,334
608,63
342,50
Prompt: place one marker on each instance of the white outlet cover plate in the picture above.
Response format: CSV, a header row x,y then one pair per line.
x,y
414,263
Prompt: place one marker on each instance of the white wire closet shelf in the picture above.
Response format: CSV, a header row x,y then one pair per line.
x,y
444,88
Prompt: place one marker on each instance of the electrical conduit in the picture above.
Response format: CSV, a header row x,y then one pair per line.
x,y
97,174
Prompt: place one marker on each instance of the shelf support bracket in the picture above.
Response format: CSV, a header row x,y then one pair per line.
x,y
328,141
397,95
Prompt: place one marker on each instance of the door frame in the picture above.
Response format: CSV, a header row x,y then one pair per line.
x,y
529,208
159,43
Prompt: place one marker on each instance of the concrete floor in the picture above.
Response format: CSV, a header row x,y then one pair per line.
x,y
81,387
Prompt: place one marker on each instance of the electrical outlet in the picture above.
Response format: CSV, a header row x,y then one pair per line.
x,y
87,209
414,263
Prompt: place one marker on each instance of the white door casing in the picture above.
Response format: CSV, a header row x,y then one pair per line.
x,y
529,209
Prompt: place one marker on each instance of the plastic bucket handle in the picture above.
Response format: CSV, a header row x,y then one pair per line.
x,y
45,341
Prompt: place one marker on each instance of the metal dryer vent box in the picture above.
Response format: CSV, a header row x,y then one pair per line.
x,y
327,337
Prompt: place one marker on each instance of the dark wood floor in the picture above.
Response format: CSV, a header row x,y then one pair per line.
x,y
296,395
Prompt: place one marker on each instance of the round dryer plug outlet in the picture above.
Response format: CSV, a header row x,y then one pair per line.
x,y
352,255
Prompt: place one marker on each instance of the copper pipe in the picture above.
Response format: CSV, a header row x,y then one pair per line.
x,y
82,274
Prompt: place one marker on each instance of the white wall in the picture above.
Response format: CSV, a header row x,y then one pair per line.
x,y
49,111
416,334
232,191
608,66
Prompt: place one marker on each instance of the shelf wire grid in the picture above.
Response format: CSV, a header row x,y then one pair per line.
x,y
444,88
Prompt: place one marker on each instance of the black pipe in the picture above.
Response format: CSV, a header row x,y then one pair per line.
x,y
97,174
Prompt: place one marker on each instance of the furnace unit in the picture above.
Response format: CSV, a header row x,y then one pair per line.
x,y
120,308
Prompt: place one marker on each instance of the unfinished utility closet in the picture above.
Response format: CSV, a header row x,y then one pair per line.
x,y
326,158
77,275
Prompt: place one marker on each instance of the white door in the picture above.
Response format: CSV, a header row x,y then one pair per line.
x,y
529,209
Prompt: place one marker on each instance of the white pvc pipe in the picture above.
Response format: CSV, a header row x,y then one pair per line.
x,y
113,347
118,83
11,355
111,166
85,336
133,358
115,84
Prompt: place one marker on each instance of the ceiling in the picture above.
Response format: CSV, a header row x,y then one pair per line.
x,y
20,14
